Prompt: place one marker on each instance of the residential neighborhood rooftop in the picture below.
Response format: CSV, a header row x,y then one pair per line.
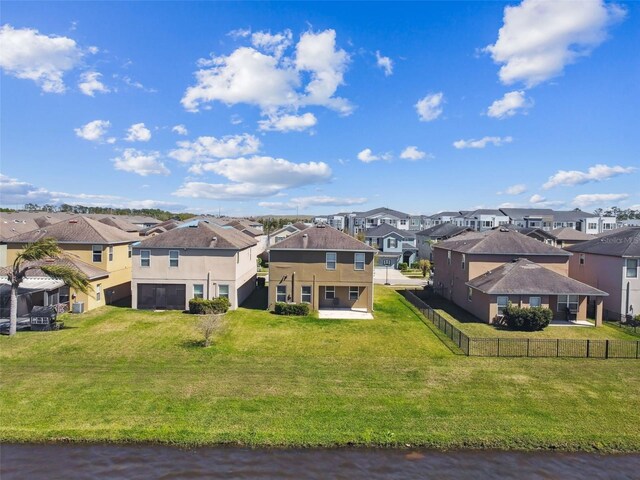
x,y
199,234
68,260
623,243
322,237
385,229
444,230
567,233
500,241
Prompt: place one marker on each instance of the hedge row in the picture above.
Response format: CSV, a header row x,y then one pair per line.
x,y
291,309
527,319
201,306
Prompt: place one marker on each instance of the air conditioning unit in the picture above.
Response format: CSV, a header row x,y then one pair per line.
x,y
77,307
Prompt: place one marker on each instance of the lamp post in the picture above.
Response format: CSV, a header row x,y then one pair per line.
x,y
386,271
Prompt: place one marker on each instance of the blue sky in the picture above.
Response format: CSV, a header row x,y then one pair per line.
x,y
259,108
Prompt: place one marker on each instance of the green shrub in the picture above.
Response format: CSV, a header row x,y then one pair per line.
x,y
527,319
200,306
291,309
403,266
415,265
261,282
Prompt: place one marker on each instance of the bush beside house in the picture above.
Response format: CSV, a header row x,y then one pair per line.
x,y
300,309
530,319
200,306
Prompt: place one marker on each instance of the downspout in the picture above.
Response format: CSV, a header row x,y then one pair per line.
x,y
293,287
313,298
209,285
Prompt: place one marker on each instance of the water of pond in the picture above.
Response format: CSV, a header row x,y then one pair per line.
x,y
149,461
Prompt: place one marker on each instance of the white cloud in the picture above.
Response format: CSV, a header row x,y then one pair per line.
x,y
15,192
27,54
509,105
412,153
483,142
367,156
597,173
138,133
288,123
180,130
602,199
94,131
272,80
254,177
540,37
313,201
385,63
430,107
90,84
236,119
208,148
239,33
514,189
535,198
142,163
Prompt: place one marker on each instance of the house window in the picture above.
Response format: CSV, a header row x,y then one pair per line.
x,y
305,294
632,268
111,253
403,222
592,226
96,250
331,260
174,256
145,258
354,293
392,243
130,251
448,257
281,293
464,261
502,304
567,301
198,291
469,293
98,292
223,291
535,302
329,293
582,259
359,261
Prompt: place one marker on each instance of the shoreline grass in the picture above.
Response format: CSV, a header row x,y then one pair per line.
x,y
125,376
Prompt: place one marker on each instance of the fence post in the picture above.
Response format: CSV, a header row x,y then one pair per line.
x,y
606,349
498,346
588,347
637,348
557,347
528,340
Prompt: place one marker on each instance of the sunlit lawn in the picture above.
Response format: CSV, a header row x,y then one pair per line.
x,y
129,376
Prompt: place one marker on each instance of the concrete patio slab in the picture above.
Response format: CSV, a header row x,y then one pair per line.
x,y
344,314
572,323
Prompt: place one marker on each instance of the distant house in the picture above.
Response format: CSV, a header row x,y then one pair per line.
x,y
481,219
94,243
285,232
395,246
566,237
428,237
195,260
611,263
483,271
323,267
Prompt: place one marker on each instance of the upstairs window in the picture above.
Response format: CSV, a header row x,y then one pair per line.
x,y
331,260
464,261
392,243
582,259
111,253
145,258
98,292
174,256
96,251
632,268
130,251
448,257
359,261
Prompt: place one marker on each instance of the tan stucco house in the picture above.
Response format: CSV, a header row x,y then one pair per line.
x,y
611,263
194,260
484,271
323,267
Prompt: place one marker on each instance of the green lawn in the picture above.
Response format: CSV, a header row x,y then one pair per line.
x,y
119,375
473,327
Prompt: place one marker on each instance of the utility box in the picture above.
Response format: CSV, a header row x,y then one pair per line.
x,y
77,307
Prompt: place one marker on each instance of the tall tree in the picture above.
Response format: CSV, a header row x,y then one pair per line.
x,y
35,256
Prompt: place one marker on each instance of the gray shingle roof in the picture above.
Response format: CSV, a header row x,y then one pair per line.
x,y
322,237
386,210
570,234
444,230
624,243
199,234
484,211
78,230
524,277
500,241
571,215
385,229
444,214
68,260
527,212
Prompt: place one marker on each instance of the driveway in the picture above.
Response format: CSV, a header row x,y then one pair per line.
x,y
395,277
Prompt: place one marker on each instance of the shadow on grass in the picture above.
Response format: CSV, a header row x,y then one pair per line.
x,y
438,302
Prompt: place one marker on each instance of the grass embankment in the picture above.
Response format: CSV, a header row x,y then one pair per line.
x,y
473,327
119,375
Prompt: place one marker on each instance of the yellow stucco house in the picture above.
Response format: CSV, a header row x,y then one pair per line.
x,y
100,249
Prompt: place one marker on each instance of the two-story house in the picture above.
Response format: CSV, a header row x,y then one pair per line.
x,y
611,263
483,272
395,246
323,267
432,235
194,260
101,246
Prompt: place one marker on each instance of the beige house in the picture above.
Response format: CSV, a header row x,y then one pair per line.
x,y
194,260
86,241
483,271
611,263
323,267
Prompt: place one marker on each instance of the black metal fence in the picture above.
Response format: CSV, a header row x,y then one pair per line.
x,y
526,347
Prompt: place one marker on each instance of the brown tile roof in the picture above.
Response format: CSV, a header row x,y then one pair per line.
x,y
524,277
623,243
78,229
68,260
570,234
500,241
322,237
199,234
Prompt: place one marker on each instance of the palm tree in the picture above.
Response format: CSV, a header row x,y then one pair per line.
x,y
34,257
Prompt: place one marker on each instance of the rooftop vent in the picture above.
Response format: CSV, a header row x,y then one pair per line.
x,y
73,221
502,229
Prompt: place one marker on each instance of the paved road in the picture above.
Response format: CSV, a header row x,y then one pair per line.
x,y
395,277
